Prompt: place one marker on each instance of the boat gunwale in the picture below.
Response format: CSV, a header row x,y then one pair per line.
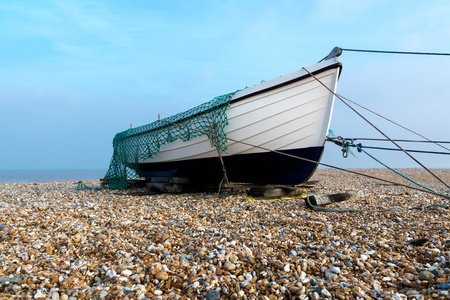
x,y
287,82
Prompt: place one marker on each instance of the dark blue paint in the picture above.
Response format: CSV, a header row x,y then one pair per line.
x,y
257,168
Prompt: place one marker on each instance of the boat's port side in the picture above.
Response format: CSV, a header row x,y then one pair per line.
x,y
259,168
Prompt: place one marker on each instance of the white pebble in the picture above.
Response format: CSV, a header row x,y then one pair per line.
x,y
336,270
111,273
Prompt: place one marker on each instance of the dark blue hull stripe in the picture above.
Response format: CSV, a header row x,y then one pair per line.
x,y
258,168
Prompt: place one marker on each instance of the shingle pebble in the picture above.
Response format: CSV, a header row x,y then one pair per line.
x,y
445,286
61,243
213,295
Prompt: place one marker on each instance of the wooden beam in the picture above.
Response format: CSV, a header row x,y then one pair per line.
x,y
323,199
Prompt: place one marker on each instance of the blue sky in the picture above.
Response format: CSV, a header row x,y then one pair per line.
x,y
74,73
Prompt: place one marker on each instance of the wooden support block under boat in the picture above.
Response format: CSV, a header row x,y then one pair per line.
x,y
171,185
171,188
323,199
178,180
275,191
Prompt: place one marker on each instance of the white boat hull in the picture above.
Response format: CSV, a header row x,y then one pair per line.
x,y
290,114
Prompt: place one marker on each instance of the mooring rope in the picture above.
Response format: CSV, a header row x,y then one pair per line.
x,y
395,171
393,149
395,123
396,52
398,140
394,208
354,110
345,144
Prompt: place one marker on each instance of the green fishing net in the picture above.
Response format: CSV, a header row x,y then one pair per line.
x,y
144,142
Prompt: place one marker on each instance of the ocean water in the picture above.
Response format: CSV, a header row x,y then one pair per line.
x,y
30,176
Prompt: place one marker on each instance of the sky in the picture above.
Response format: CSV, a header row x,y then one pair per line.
x,y
74,73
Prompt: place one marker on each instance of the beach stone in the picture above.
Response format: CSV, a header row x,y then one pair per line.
x,y
435,271
391,265
15,279
325,293
251,259
304,266
23,256
336,270
101,236
213,295
426,275
5,280
411,293
294,289
446,294
279,265
53,296
126,291
330,275
16,288
162,275
376,285
40,293
243,284
409,276
356,291
54,279
444,286
399,296
406,282
229,266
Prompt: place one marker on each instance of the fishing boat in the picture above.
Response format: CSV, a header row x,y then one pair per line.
x,y
287,115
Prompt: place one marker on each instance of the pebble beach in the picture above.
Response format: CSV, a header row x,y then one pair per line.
x,y
390,242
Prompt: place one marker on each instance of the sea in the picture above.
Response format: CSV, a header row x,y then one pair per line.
x,y
32,176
